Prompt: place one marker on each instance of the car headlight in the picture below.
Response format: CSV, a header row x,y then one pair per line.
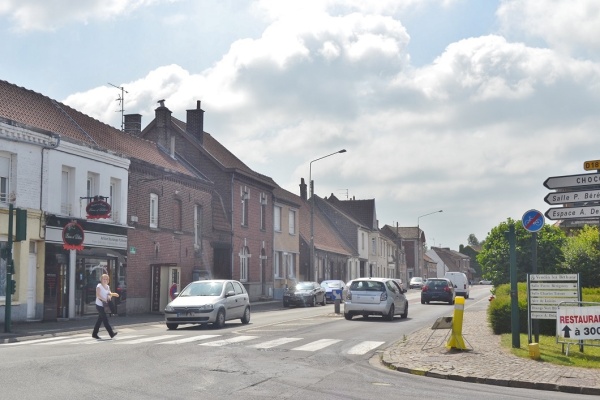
x,y
207,307
169,308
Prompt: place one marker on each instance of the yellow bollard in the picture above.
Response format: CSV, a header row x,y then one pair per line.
x,y
456,340
534,351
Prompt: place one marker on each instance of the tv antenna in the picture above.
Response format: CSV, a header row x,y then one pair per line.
x,y
344,190
121,100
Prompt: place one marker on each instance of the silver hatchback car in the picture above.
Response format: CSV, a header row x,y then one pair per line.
x,y
209,302
375,296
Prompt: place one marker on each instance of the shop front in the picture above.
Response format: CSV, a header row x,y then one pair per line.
x,y
78,252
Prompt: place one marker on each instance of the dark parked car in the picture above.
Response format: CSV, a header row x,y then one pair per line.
x,y
438,289
304,294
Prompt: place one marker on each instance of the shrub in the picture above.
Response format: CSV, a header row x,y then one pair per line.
x,y
499,311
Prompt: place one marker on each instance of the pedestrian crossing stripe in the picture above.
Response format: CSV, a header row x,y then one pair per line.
x,y
171,339
190,339
318,345
275,343
225,342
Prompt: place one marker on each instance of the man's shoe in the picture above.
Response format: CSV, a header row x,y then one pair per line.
x,y
113,335
96,337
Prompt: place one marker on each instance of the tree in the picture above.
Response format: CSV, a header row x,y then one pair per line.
x,y
582,255
472,240
494,255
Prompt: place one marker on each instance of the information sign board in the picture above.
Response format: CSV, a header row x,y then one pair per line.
x,y
578,323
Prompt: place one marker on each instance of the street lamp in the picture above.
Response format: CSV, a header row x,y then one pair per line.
x,y
418,269
312,214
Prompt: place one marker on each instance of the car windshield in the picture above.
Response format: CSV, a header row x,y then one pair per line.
x,y
304,286
368,286
432,284
203,289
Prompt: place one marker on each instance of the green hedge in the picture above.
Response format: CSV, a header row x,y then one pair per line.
x,y
499,311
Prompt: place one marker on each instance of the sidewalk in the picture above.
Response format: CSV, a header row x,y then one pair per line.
x,y
485,362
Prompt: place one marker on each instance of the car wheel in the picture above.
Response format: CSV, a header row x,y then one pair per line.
x,y
348,316
172,327
390,315
286,304
324,303
246,318
313,301
405,313
451,302
422,301
220,321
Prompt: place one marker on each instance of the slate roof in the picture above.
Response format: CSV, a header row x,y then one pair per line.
x,y
361,210
39,111
326,236
450,257
216,151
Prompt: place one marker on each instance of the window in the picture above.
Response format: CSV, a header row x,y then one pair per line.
x,y
277,264
153,210
263,211
177,219
114,198
245,197
291,265
373,246
277,218
4,178
198,227
66,206
244,258
292,222
92,186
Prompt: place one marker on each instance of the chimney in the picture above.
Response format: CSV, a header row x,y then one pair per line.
x,y
195,122
302,189
133,124
163,125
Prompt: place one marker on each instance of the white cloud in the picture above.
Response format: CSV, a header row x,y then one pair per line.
x,y
48,15
569,26
475,132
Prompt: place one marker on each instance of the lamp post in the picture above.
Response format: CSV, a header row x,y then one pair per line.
x,y
312,213
418,269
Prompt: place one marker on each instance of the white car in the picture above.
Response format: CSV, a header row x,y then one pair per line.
x,y
209,302
374,296
485,282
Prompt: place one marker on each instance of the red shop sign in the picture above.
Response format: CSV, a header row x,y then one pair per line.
x,y
73,236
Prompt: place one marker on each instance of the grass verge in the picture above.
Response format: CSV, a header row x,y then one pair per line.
x,y
553,353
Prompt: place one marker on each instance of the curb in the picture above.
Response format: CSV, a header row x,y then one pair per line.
x,y
491,381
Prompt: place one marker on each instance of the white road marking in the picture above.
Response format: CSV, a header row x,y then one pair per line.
x,y
191,339
225,342
147,339
36,341
274,343
364,347
72,340
318,345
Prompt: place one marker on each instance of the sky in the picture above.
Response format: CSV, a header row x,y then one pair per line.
x,y
454,105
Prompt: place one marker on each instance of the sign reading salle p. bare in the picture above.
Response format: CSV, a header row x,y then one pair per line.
x,y
73,236
98,208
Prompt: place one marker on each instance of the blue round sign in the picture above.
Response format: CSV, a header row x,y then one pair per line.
x,y
533,220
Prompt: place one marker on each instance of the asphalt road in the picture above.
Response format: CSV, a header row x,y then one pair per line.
x,y
295,353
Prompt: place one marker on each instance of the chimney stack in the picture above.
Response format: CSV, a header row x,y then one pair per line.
x,y
163,125
195,122
303,189
133,124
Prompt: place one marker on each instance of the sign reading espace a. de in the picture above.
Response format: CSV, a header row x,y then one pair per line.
x,y
578,322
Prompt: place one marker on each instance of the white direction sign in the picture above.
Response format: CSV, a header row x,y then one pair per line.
x,y
557,213
559,182
572,197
